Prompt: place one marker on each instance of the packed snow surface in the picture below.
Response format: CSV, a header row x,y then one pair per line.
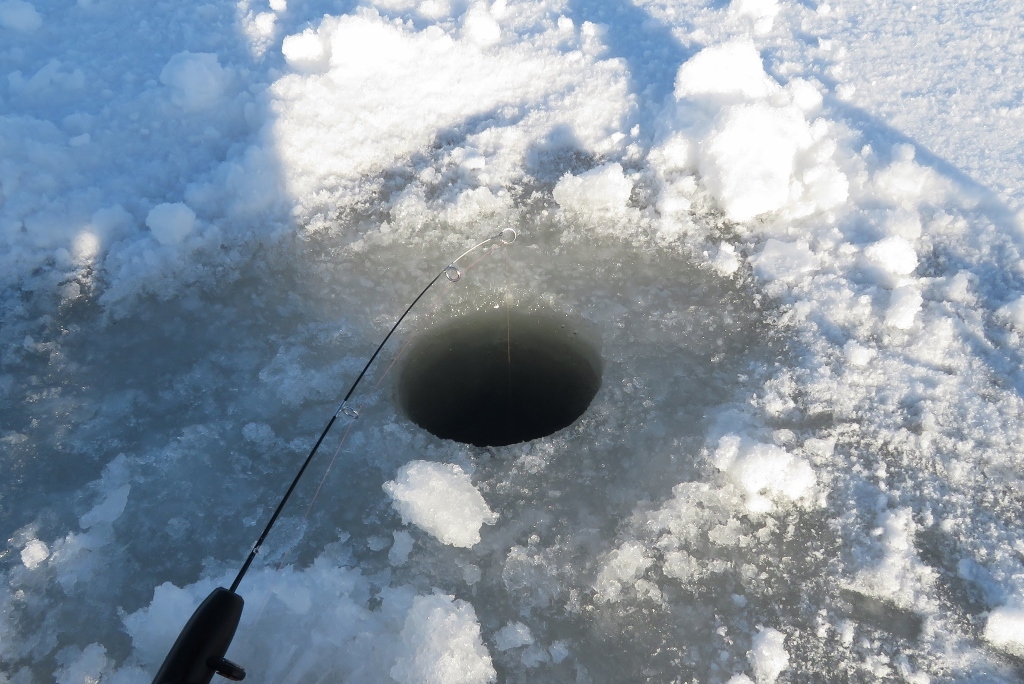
x,y
794,230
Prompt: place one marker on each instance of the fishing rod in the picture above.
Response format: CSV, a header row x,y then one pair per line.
x,y
198,653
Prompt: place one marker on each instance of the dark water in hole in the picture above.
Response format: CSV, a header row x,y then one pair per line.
x,y
499,377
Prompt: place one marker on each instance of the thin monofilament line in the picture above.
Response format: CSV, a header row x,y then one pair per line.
x,y
437,303
427,315
508,342
506,236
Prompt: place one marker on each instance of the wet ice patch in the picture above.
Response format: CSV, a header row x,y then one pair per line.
x,y
440,499
400,549
441,644
108,510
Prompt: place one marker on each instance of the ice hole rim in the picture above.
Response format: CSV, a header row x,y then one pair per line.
x,y
499,376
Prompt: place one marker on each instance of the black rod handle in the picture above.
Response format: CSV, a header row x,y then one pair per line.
x,y
198,653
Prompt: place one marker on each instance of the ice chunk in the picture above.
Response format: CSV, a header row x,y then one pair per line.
x,y
440,498
1013,313
480,27
19,15
171,223
441,644
857,354
899,575
748,161
558,651
306,51
34,553
904,303
768,655
892,256
625,565
730,72
784,260
1005,629
600,192
805,95
196,80
760,12
513,635
765,472
87,668
401,548
740,679
726,261
757,152
108,510
907,183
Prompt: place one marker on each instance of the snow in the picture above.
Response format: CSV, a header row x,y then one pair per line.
x,y
440,499
795,232
600,193
512,635
34,553
401,548
1005,628
764,471
757,152
904,304
893,256
625,565
768,655
441,644
780,260
171,223
196,80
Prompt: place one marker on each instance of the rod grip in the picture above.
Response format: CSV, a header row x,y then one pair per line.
x,y
198,653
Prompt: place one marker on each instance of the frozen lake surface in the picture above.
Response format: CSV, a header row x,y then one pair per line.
x,y
789,234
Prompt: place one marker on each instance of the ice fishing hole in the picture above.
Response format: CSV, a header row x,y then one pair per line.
x,y
499,377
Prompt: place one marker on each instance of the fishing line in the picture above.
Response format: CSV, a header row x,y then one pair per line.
x,y
453,274
508,341
433,309
436,304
